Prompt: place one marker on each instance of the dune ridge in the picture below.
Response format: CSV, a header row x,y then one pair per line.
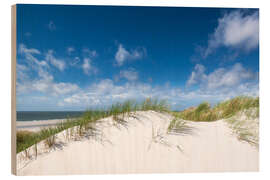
x,y
144,146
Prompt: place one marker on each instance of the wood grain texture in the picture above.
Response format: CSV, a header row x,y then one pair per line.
x,y
13,90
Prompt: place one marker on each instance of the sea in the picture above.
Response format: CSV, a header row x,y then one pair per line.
x,y
46,115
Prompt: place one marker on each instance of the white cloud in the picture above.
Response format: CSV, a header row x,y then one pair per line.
x,y
87,67
220,84
75,61
236,30
60,64
44,81
197,75
40,98
45,84
129,74
21,72
24,50
40,86
54,88
89,53
123,55
106,92
64,88
221,77
229,78
32,61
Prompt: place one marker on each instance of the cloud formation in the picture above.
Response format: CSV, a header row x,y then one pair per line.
x,y
75,61
220,77
21,71
89,53
130,74
105,92
122,55
235,30
24,50
219,84
29,55
58,63
47,86
43,81
87,67
197,75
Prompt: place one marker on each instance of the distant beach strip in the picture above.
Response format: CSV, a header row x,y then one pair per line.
x,y
35,120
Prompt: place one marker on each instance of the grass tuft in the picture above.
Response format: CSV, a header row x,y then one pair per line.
x,y
179,126
222,110
120,111
86,123
240,113
245,125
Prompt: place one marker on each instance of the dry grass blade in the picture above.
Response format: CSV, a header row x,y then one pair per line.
x,y
159,138
246,126
179,127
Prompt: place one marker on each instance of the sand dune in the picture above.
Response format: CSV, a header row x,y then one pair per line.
x,y
145,147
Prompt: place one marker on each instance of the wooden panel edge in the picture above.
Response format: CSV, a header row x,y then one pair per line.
x,y
13,89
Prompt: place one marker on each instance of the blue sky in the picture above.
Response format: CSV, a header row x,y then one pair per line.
x,y
79,57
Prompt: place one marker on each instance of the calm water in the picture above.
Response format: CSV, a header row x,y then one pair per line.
x,y
46,115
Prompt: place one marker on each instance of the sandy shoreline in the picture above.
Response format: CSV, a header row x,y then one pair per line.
x,y
211,148
36,125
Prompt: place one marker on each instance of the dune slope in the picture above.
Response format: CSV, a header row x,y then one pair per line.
x,y
145,147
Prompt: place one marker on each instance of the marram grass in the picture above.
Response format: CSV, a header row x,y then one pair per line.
x,y
222,110
86,122
245,125
118,111
240,113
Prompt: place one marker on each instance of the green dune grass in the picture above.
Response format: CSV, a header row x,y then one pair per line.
x,y
222,110
119,112
86,123
240,113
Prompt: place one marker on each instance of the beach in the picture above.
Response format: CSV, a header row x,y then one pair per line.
x,y
118,89
37,125
144,146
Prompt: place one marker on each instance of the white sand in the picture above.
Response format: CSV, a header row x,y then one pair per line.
x,y
211,149
36,125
